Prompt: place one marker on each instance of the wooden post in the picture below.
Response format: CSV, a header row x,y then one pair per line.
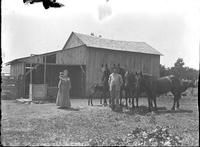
x,y
45,69
31,86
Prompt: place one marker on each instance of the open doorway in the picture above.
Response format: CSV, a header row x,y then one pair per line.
x,y
76,74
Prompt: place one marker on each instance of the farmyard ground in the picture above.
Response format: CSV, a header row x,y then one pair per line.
x,y
44,124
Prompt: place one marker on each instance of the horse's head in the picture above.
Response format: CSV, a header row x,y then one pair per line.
x,y
105,75
128,76
138,79
188,83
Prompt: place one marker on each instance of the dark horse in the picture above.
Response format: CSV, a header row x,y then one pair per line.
x,y
94,90
154,87
129,87
102,89
104,79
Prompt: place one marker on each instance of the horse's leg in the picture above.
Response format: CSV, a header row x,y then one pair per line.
x,y
133,105
136,96
175,99
137,101
149,103
178,98
155,104
100,98
120,96
129,100
126,97
105,99
192,91
178,104
91,100
109,94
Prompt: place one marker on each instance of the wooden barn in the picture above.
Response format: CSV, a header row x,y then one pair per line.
x,y
83,56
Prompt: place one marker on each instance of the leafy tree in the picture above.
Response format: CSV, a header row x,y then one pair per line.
x,y
180,71
179,63
178,68
164,71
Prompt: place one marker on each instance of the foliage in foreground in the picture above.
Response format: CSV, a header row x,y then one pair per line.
x,y
139,137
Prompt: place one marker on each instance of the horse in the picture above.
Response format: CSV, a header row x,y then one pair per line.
x,y
104,79
154,87
95,88
129,87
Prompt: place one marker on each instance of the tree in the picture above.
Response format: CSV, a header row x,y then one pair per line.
x,y
178,68
180,71
179,63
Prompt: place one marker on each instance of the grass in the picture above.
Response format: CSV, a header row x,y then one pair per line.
x,y
44,124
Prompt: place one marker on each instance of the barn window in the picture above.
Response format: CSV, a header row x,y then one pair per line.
x,y
50,58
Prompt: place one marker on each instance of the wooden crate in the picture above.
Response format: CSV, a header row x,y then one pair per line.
x,y
52,92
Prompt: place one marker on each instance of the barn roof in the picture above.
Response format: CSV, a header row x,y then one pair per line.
x,y
131,46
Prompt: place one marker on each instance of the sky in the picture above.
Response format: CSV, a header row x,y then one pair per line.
x,y
170,26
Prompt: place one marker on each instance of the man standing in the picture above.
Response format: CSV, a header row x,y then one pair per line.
x,y
121,71
115,82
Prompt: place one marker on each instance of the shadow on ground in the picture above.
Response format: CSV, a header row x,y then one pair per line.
x,y
69,109
174,111
143,110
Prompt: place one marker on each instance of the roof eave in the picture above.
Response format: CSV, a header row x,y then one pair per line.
x,y
123,50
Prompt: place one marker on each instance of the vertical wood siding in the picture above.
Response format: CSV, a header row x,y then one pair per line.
x,y
134,62
17,69
73,56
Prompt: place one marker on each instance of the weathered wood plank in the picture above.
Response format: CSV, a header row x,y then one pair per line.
x,y
74,56
133,61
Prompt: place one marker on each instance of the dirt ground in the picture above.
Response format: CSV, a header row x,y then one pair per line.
x,y
44,124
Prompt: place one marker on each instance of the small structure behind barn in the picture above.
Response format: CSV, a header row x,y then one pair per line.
x,y
83,56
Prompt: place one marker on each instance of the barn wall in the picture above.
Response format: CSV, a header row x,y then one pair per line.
x,y
16,69
132,61
73,56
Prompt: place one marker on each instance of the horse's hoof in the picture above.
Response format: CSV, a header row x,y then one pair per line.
x,y
173,109
155,109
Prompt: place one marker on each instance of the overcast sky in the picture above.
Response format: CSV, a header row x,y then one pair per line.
x,y
170,26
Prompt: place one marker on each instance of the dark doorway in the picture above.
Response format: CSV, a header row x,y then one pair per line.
x,y
76,74
77,77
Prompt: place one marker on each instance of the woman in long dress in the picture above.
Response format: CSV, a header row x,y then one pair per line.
x,y
64,86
